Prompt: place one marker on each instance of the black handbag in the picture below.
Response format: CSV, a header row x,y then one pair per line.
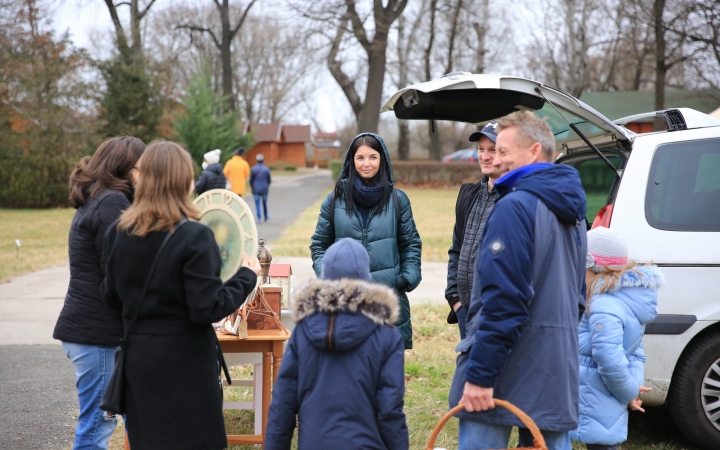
x,y
113,400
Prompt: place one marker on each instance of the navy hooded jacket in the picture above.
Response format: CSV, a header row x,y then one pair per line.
x,y
343,373
529,281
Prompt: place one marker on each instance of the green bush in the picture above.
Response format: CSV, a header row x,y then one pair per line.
x,y
335,168
435,174
33,179
281,165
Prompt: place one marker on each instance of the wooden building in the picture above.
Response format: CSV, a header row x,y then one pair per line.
x,y
278,142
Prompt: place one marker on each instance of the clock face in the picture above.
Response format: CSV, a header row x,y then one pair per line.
x,y
232,222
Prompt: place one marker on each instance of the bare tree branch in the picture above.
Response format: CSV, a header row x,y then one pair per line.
x,y
335,67
200,29
145,10
242,19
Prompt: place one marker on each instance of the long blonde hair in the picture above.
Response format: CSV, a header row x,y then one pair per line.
x,y
163,191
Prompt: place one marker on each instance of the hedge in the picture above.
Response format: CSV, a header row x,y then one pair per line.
x,y
435,174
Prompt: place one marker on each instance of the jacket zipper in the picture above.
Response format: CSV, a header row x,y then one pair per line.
x,y
330,330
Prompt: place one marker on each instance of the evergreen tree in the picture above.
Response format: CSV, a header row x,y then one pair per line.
x,y
206,125
132,103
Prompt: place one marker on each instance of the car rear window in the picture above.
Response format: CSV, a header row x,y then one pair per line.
x,y
683,192
597,178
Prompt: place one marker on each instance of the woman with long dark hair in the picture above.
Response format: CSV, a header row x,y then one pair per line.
x,y
366,206
173,399
101,188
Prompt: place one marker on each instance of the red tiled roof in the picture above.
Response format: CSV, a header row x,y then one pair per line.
x,y
280,270
296,133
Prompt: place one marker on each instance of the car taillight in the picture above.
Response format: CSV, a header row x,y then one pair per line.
x,y
603,217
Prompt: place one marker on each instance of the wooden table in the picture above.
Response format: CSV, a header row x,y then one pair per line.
x,y
270,344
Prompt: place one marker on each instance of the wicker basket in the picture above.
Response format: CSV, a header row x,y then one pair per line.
x,y
538,439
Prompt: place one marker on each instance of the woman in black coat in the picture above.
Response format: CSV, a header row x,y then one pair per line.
x,y
173,396
101,188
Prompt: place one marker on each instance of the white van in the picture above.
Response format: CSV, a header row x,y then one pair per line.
x,y
663,197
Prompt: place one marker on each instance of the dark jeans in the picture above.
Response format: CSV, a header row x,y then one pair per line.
x,y
258,198
601,447
461,314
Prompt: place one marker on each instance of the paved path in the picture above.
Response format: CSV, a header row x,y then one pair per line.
x,y
38,402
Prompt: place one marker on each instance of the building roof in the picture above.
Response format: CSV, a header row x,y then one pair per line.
x,y
275,132
296,133
280,270
617,104
266,132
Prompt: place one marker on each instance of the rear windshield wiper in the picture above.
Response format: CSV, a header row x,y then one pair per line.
x,y
582,136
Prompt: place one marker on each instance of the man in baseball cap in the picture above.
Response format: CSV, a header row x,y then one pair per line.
x,y
474,204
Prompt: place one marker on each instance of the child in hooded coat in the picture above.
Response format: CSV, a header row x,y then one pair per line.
x,y
342,374
622,298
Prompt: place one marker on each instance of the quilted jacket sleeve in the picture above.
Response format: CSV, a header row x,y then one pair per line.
x,y
323,237
284,406
606,331
409,244
637,365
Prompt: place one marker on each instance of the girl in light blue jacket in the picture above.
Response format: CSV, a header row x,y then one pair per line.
x,y
622,298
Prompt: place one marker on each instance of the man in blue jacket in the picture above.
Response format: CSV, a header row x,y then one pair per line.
x,y
529,280
260,184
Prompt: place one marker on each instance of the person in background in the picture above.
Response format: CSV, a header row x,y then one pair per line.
x,y
622,299
474,204
529,285
212,176
367,207
260,184
237,171
342,377
173,359
101,188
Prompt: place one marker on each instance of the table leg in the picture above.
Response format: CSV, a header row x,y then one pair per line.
x,y
127,442
266,387
277,359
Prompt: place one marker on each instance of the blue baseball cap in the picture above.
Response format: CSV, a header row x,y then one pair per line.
x,y
488,130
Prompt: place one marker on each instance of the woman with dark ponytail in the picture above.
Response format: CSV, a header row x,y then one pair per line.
x,y
366,206
101,188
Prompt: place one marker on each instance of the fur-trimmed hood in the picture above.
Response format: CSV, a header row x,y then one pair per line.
x,y
339,315
637,289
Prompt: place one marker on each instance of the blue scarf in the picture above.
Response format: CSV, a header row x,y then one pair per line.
x,y
367,196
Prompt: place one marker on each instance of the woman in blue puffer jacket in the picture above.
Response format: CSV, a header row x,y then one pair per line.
x,y
622,298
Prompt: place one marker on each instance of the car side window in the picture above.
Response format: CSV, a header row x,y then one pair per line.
x,y
683,191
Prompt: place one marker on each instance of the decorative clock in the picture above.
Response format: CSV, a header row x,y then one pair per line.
x,y
233,224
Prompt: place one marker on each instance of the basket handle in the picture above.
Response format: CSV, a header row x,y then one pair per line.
x,y
538,440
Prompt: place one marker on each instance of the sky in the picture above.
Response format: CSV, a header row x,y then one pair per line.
x,y
86,20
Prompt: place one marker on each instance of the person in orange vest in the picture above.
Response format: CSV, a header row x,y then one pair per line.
x,y
237,171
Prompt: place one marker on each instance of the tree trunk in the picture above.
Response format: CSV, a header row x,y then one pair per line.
x,y
403,125
226,55
577,41
453,34
660,63
374,90
435,147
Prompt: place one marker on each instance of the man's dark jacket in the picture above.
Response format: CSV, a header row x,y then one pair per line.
x,y
211,178
469,195
523,342
343,373
260,179
85,318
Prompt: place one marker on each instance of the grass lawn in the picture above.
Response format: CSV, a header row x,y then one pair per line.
x,y
43,235
433,211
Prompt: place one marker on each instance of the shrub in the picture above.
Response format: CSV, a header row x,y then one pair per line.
x,y
435,174
281,165
335,168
